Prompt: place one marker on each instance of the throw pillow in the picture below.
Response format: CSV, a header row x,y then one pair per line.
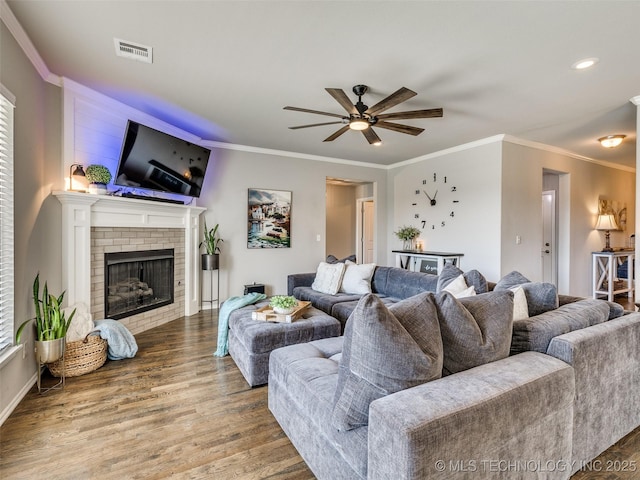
x,y
541,297
473,277
520,308
328,278
385,350
459,289
475,330
357,278
334,259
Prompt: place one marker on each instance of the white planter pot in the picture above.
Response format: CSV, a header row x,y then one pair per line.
x,y
98,188
283,311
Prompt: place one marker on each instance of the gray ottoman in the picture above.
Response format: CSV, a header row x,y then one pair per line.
x,y
252,341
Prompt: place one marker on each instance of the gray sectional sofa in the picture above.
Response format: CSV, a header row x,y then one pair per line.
x,y
569,388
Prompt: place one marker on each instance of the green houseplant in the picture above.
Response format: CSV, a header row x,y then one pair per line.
x,y
98,176
50,322
407,234
211,243
283,304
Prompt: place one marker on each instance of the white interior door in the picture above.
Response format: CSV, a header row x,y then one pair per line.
x,y
549,250
365,227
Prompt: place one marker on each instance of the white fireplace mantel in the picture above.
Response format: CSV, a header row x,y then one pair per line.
x,y
81,211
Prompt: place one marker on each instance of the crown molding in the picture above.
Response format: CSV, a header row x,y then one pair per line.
x,y
10,20
566,153
635,100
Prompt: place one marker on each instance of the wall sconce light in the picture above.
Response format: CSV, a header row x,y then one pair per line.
x,y
78,172
611,141
606,223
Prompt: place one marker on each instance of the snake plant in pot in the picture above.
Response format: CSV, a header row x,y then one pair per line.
x,y
50,323
211,243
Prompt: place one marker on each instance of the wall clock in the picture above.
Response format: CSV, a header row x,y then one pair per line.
x,y
435,202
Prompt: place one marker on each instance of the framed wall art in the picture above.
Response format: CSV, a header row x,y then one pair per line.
x,y
268,219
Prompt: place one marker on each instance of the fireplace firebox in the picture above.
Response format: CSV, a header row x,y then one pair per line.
x,y
137,282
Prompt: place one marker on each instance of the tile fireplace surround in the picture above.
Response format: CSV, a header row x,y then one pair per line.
x,y
131,224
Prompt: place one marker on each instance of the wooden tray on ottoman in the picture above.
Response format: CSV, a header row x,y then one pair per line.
x,y
267,314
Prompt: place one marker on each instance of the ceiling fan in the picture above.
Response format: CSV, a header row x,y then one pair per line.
x,y
362,117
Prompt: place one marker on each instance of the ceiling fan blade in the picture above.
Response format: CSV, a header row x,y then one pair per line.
x,y
430,113
313,125
392,100
371,136
396,127
317,112
335,135
343,100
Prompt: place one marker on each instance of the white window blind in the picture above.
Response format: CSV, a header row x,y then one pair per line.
x,y
6,222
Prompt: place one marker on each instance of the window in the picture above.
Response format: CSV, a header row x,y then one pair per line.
x,y
6,219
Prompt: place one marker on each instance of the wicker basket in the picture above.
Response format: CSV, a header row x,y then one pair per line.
x,y
81,356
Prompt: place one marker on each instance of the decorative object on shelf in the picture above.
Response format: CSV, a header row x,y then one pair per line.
x,y
407,235
430,209
98,177
51,328
78,172
269,219
606,223
283,304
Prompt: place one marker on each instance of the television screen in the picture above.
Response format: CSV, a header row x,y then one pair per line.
x,y
158,161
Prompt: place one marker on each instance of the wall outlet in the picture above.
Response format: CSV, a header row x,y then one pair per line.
x,y
318,238
518,240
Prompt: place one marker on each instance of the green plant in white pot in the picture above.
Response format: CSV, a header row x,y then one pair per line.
x,y
98,177
50,324
283,304
211,243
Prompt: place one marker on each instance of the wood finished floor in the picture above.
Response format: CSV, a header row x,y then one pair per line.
x,y
174,411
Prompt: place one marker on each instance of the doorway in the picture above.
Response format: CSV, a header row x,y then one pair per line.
x,y
350,219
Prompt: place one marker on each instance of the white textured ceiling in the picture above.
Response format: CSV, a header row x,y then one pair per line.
x,y
223,70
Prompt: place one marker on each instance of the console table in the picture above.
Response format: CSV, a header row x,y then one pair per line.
x,y
426,262
605,265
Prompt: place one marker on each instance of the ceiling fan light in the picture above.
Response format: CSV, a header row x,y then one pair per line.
x,y
377,144
358,124
611,141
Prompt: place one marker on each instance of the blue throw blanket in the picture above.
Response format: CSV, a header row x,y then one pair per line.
x,y
227,307
120,340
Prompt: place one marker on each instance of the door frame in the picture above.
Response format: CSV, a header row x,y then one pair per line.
x,y
554,237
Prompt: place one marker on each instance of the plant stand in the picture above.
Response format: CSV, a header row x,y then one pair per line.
x,y
211,299
57,386
50,352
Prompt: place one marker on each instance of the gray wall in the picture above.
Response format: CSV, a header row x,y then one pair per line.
x,y
37,155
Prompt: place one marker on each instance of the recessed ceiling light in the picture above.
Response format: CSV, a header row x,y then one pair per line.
x,y
611,141
585,63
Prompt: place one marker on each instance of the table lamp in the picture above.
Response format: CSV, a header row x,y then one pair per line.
x,y
606,222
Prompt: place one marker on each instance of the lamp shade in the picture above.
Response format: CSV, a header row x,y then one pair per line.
x,y
606,222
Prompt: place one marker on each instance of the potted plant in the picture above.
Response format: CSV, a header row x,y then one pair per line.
x,y
211,242
283,304
98,176
51,324
407,235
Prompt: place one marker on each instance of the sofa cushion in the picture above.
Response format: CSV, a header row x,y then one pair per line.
x,y
475,330
357,278
328,278
541,297
473,278
385,350
400,283
535,333
322,301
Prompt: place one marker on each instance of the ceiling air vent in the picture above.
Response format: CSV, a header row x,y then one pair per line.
x,y
133,50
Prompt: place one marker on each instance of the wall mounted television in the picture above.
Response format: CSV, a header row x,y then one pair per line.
x,y
154,160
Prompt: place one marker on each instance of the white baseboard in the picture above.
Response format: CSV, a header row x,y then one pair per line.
x,y
18,398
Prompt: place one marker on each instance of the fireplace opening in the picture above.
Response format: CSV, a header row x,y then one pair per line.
x,y
136,282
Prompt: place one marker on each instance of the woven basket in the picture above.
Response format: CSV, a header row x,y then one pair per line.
x,y
81,356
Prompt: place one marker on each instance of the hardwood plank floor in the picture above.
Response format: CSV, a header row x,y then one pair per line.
x,y
174,411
